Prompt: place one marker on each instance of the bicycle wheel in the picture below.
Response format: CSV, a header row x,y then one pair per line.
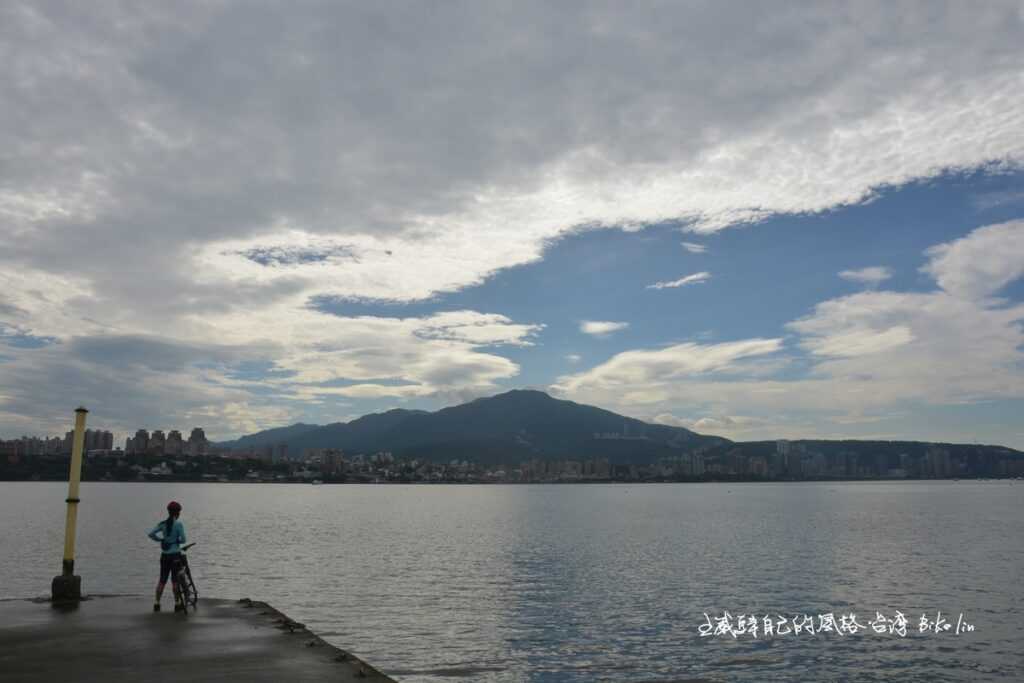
x,y
185,591
186,595
193,591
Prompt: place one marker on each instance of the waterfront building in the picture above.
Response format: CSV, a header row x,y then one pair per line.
x,y
174,445
156,442
197,443
98,440
140,444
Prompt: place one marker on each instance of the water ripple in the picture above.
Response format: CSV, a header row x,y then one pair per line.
x,y
574,583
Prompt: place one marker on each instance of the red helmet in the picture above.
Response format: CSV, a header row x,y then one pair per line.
x,y
174,506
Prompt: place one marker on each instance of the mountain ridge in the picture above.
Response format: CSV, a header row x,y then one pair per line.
x,y
524,424
521,423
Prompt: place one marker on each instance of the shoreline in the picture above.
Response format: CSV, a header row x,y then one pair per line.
x,y
592,482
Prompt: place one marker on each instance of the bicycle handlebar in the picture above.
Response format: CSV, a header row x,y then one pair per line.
x,y
186,547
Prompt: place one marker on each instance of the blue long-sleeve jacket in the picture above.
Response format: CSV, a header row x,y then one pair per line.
x,y
170,544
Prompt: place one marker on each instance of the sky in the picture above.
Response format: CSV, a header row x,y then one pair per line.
x,y
774,220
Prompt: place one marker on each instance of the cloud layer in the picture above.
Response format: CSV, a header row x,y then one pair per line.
x,y
195,175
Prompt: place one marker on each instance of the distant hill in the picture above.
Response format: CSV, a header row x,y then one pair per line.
x,y
271,436
513,426
891,450
365,434
523,425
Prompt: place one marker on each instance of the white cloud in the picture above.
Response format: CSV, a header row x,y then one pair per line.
x,y
368,390
166,173
859,342
478,329
672,420
730,426
132,383
694,248
601,328
981,263
694,279
437,353
573,358
873,354
654,370
126,380
872,276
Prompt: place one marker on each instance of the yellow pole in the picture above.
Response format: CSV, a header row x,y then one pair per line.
x,y
73,480
68,586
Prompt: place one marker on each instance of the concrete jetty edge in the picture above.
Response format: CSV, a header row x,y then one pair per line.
x,y
113,638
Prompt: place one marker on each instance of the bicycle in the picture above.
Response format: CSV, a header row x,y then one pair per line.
x,y
184,585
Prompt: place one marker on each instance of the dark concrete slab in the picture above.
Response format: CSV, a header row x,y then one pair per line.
x,y
118,638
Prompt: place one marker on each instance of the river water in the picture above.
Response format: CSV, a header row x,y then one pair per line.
x,y
578,582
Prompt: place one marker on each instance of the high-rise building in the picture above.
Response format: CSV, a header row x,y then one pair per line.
x,y
98,440
140,444
174,444
92,440
197,443
156,442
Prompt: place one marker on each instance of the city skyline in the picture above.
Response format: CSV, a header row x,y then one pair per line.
x,y
514,437
267,215
104,440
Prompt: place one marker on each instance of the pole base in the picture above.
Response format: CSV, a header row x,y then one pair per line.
x,y
66,588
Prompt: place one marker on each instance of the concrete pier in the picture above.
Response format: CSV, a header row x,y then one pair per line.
x,y
117,638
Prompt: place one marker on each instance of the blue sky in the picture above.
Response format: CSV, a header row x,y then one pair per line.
x,y
762,277
242,216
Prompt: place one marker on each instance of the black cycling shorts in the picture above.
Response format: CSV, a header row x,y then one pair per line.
x,y
169,566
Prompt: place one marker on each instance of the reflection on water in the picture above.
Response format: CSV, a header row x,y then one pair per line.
x,y
573,583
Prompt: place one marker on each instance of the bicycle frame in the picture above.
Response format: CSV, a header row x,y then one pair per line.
x,y
184,582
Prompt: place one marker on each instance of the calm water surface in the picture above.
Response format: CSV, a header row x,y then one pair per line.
x,y
574,583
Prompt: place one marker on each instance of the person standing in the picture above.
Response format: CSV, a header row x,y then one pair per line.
x,y
170,534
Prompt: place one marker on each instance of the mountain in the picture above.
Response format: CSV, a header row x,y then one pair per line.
x,y
509,427
360,435
524,425
270,436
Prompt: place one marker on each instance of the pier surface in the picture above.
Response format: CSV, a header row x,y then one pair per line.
x,y
113,639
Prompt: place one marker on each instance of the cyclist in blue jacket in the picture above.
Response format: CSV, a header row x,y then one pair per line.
x,y
170,534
